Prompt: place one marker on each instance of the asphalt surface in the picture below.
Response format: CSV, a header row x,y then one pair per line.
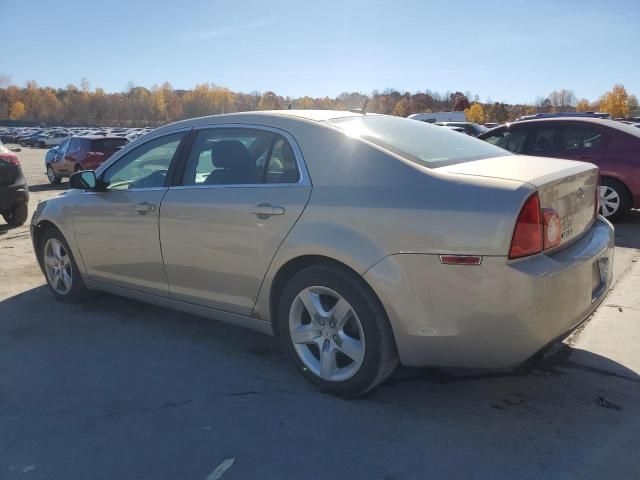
x,y
117,389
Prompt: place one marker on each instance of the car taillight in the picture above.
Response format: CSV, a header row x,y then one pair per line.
x,y
552,228
11,159
527,234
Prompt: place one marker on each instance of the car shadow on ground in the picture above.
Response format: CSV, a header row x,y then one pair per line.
x,y
47,187
113,371
628,230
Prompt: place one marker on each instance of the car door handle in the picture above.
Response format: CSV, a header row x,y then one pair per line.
x,y
145,207
266,210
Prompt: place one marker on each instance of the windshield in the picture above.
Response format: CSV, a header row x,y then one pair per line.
x,y
428,145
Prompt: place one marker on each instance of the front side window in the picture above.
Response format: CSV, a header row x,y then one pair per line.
x,y
428,145
240,156
512,140
144,167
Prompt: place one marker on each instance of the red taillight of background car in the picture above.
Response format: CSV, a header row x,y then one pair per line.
x,y
552,228
527,234
10,158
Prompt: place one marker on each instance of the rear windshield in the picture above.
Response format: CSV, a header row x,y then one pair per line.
x,y
107,144
428,145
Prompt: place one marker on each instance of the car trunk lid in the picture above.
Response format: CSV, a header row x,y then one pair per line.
x,y
566,186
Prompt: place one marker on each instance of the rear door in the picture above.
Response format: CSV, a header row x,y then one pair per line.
x,y
241,190
582,142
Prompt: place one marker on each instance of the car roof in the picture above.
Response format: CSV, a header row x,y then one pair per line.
x,y
97,137
592,120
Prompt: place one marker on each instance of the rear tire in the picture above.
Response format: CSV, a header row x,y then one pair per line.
x,y
60,268
51,175
17,215
346,355
615,201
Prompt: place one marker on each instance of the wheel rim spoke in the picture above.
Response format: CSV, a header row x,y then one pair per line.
x,y
58,266
305,334
311,302
340,313
352,348
328,362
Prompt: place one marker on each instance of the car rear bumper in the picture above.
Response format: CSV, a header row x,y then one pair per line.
x,y
497,314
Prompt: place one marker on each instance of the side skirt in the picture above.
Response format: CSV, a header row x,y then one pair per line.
x,y
226,317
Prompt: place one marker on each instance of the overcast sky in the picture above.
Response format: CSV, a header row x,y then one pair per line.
x,y
509,51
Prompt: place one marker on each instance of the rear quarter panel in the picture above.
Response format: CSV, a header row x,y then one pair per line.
x,y
622,162
367,204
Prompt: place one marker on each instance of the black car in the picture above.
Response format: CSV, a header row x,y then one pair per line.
x,y
14,193
469,128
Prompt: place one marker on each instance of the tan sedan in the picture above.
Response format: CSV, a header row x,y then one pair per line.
x,y
360,240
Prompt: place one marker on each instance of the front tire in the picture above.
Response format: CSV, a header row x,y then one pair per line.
x,y
336,331
17,215
60,268
615,201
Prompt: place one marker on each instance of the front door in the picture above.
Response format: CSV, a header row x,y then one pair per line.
x,y
242,190
117,229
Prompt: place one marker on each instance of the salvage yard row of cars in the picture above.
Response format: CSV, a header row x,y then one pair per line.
x,y
44,137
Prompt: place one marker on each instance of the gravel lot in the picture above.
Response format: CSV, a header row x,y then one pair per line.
x,y
118,389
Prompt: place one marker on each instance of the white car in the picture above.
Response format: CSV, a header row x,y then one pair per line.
x,y
52,139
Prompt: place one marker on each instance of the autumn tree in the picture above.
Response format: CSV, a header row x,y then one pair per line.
x,y
403,108
582,105
459,102
498,112
17,111
270,101
475,113
616,102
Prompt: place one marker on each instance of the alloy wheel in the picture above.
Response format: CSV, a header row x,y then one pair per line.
x,y
51,175
327,334
609,201
58,266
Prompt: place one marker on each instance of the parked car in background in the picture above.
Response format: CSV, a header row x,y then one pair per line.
x,y
613,146
82,153
14,193
455,128
469,128
565,114
54,138
360,240
434,117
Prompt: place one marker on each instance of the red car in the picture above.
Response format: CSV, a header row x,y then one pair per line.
x,y
612,146
82,153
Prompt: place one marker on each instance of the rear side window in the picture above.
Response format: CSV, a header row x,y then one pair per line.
x,y
580,140
512,140
240,156
428,145
107,145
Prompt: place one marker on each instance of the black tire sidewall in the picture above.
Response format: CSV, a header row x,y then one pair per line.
x,y
56,178
78,291
17,215
379,342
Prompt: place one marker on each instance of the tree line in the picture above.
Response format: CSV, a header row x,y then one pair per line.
x,y
140,106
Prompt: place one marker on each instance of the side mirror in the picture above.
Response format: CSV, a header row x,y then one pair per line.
x,y
84,180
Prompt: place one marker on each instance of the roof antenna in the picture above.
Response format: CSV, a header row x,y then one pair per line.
x,y
362,110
